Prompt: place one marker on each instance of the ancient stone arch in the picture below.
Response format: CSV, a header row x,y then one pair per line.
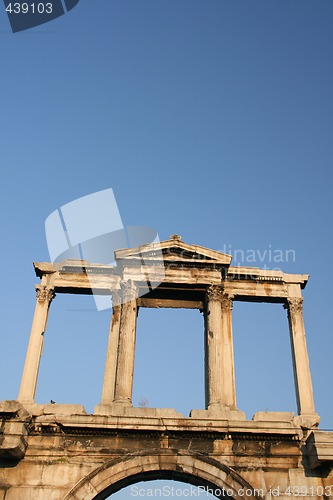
x,y
189,468
57,451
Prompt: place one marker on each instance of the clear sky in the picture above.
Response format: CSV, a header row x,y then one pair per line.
x,y
209,119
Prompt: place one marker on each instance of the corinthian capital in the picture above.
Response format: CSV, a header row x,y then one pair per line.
x,y
226,301
295,304
216,293
44,293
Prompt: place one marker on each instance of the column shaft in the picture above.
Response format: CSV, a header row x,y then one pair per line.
x,y
108,391
220,378
228,365
28,386
126,347
302,375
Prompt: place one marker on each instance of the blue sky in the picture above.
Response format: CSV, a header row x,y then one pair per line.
x,y
210,119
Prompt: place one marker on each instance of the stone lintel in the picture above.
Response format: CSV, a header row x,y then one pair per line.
x,y
69,264
83,282
255,273
259,291
173,275
243,282
170,303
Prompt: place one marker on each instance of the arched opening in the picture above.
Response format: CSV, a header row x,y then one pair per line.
x,y
193,469
151,485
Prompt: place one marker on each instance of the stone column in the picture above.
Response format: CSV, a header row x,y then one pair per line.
x,y
44,296
228,367
302,375
220,378
126,346
112,352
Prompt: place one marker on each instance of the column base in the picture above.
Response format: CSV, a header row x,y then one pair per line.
x,y
307,421
121,403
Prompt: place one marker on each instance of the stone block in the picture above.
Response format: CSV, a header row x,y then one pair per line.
x,y
63,409
15,409
14,441
218,414
273,416
129,411
319,447
34,409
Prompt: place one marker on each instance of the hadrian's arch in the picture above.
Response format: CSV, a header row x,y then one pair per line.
x,y
58,451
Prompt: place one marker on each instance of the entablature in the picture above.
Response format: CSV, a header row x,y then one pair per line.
x,y
171,265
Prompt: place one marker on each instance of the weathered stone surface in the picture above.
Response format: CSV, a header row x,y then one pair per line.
x,y
63,409
121,410
80,456
13,442
310,421
14,422
273,416
11,407
218,412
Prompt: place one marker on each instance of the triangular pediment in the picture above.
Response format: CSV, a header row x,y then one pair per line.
x,y
173,250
